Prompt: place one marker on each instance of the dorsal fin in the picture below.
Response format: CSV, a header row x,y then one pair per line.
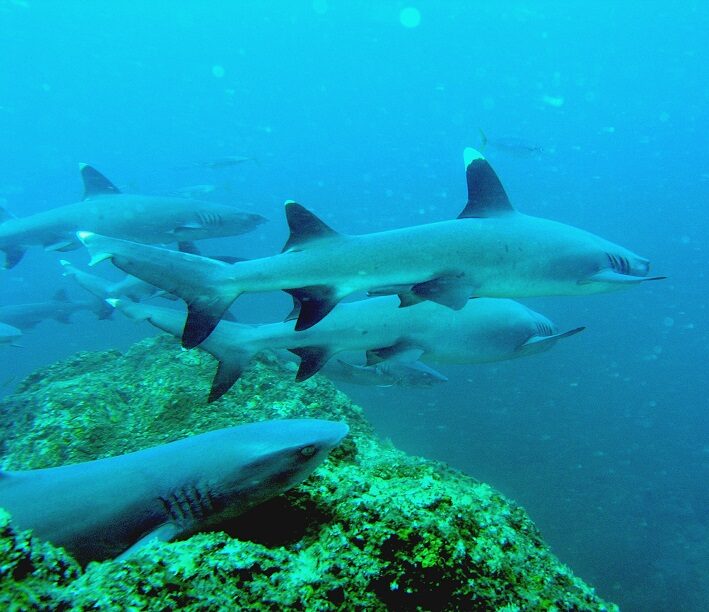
x,y
486,195
304,227
96,183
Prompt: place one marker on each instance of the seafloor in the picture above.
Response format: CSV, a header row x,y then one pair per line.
x,y
372,529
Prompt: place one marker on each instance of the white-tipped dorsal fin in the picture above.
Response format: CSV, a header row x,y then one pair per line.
x,y
486,195
304,227
95,183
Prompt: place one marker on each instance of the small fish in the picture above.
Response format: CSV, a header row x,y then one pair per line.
x,y
224,162
515,147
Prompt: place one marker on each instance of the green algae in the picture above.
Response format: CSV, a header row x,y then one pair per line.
x,y
373,528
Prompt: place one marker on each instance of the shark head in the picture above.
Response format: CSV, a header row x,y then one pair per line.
x,y
596,265
616,268
281,455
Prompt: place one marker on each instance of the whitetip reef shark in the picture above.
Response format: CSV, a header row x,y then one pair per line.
x,y
104,209
129,286
485,330
490,250
109,507
60,308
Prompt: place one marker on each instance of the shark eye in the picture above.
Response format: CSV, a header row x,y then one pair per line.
x,y
308,451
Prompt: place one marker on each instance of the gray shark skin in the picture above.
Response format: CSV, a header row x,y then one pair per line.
x,y
485,330
131,287
60,308
104,209
490,250
9,334
104,508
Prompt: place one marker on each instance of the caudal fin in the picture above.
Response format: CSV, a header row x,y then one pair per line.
x,y
203,283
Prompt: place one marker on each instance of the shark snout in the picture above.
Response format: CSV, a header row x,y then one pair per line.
x,y
333,432
640,267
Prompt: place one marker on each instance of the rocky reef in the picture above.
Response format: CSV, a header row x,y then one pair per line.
x,y
373,528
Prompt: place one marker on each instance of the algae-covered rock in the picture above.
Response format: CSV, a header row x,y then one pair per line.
x,y
372,528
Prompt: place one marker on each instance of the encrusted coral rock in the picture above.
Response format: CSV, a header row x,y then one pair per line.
x,y
372,528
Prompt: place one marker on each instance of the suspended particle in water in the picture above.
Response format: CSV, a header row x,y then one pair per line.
x,y
218,71
410,17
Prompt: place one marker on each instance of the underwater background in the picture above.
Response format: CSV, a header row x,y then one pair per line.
x,y
596,115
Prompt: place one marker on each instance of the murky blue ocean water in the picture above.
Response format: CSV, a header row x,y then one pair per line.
x,y
594,114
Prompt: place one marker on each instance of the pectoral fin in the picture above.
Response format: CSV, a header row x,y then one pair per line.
x,y
164,533
449,290
610,276
538,340
401,351
312,359
315,304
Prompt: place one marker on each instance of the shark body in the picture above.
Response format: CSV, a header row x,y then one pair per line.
x,y
490,250
104,508
60,308
104,209
485,330
131,287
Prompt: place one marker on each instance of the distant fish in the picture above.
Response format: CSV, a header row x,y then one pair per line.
x,y
144,218
515,147
60,308
223,162
114,506
196,190
9,335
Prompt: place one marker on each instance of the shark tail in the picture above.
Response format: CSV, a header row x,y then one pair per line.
x,y
206,285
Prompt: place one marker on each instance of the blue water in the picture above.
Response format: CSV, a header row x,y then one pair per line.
x,y
361,112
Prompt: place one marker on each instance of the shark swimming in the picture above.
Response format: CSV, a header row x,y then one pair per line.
x,y
60,308
490,250
109,507
485,330
131,287
104,209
